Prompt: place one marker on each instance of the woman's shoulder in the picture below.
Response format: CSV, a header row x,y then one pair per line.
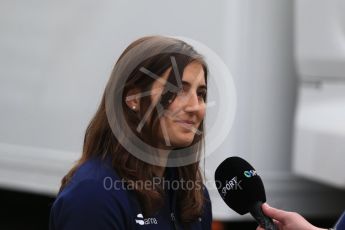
x,y
97,177
91,193
88,205
95,169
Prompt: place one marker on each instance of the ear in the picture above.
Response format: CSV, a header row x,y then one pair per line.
x,y
133,99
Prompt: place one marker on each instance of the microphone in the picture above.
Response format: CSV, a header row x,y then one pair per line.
x,y
242,189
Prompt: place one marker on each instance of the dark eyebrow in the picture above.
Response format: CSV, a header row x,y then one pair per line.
x,y
188,84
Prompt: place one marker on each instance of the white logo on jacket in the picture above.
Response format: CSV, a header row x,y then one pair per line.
x,y
141,221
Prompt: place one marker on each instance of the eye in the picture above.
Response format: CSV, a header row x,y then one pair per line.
x,y
202,94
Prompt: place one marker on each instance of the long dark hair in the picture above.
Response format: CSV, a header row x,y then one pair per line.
x,y
100,141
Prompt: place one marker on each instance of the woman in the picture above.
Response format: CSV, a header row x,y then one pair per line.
x,y
140,163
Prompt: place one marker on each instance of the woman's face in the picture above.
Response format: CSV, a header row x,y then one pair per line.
x,y
181,120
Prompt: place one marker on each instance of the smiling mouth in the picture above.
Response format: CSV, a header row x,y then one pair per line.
x,y
186,124
186,121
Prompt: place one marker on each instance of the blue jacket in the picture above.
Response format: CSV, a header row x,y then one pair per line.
x,y
95,199
340,225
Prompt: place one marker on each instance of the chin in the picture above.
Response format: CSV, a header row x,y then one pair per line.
x,y
183,143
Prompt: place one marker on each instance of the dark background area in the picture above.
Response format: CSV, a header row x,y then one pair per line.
x,y
19,210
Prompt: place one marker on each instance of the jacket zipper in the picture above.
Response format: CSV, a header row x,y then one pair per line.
x,y
173,220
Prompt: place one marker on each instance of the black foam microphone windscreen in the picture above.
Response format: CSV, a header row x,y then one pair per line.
x,y
242,189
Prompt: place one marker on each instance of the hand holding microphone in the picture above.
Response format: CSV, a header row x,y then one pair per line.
x,y
287,220
242,189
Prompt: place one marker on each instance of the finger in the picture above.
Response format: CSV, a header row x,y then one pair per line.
x,y
278,224
274,213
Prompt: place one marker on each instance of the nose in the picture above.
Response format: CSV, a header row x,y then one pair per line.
x,y
192,103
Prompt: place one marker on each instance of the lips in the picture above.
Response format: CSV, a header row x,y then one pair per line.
x,y
187,125
186,122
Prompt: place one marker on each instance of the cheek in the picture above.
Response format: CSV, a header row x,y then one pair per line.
x,y
173,109
202,112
